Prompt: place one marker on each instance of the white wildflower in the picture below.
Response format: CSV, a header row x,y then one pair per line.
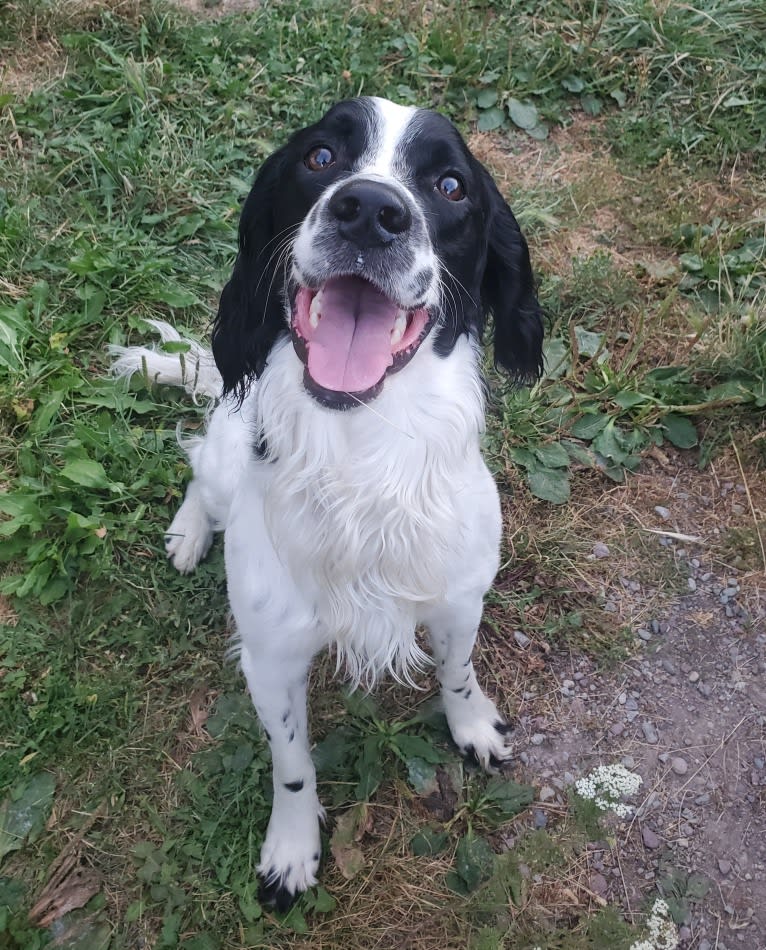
x,y
606,784
662,932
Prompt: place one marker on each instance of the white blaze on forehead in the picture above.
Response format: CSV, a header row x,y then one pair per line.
x,y
391,124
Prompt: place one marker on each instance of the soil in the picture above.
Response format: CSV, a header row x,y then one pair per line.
x,y
687,712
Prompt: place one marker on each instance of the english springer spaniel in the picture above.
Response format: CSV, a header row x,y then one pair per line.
x,y
342,459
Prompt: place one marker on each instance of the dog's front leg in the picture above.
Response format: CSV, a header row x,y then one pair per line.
x,y
277,679
476,726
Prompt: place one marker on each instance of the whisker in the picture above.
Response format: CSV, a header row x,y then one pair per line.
x,y
381,416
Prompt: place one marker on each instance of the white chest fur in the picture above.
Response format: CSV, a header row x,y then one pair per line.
x,y
361,505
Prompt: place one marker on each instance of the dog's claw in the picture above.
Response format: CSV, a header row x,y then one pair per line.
x,y
275,894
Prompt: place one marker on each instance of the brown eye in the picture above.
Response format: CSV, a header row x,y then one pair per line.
x,y
319,158
451,187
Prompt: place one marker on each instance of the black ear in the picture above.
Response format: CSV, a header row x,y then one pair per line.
x,y
508,291
251,312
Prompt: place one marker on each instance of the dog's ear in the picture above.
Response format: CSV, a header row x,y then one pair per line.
x,y
508,291
251,312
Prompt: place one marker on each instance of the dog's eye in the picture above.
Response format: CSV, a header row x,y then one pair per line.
x,y
319,158
451,187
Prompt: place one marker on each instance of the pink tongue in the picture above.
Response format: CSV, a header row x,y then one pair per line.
x,y
350,350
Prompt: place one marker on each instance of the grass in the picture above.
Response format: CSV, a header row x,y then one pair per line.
x,y
130,134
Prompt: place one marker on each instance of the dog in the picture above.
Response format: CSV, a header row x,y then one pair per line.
x,y
342,458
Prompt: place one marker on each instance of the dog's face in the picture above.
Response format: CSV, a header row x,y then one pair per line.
x,y
370,234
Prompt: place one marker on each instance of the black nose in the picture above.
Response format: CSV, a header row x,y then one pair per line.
x,y
370,213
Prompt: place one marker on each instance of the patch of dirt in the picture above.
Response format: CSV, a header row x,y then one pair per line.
x,y
687,712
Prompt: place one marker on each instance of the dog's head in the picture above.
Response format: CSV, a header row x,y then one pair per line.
x,y
368,235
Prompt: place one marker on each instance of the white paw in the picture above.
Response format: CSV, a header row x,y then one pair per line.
x,y
478,728
289,858
189,536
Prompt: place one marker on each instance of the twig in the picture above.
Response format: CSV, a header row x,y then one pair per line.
x,y
750,502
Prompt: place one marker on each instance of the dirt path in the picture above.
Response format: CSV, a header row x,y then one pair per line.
x,y
688,713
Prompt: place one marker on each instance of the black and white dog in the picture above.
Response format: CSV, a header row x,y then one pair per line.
x,y
342,459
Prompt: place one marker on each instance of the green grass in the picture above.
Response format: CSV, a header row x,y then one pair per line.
x,y
120,182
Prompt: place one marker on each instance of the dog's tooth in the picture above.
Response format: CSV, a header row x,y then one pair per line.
x,y
315,310
400,325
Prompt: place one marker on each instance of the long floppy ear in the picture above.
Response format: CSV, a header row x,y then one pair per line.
x,y
508,291
251,312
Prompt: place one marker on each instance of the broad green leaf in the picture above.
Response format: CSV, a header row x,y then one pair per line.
x,y
474,861
490,119
429,841
550,484
628,400
610,444
556,357
86,472
588,343
486,98
523,114
573,83
418,746
679,430
539,131
591,104
507,798
24,811
174,296
691,262
552,455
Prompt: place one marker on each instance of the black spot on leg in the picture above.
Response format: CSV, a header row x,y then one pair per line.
x,y
294,786
504,728
467,677
267,734
467,694
467,662
285,716
316,857
291,736
457,689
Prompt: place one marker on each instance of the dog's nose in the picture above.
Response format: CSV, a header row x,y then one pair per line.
x,y
370,213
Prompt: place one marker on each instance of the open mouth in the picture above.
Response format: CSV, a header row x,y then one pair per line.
x,y
350,336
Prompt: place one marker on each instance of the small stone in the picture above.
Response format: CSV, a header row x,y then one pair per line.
x,y
684,933
522,640
668,667
540,818
600,549
702,799
622,698
538,738
704,945
650,733
568,684
680,766
631,703
691,584
758,762
655,625
644,634
598,884
628,761
724,866
546,793
705,690
617,729
662,512
694,676
650,839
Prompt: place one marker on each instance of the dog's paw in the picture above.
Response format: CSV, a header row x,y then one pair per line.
x,y
189,536
289,862
479,731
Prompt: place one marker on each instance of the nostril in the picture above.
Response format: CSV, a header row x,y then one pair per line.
x,y
345,207
395,219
